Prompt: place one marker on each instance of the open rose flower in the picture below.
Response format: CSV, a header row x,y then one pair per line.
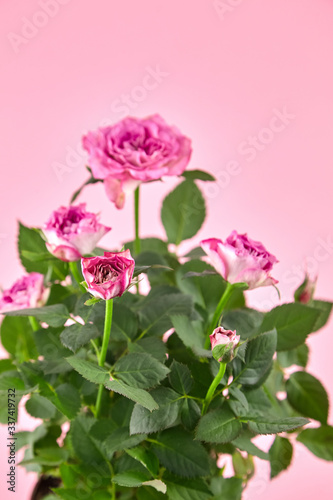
x,y
26,292
110,275
135,150
223,343
72,232
241,260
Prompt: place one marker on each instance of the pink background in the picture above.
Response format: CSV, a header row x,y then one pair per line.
x,y
222,75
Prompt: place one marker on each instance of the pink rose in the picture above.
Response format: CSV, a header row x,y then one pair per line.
x,y
26,292
223,343
72,232
135,150
108,276
241,260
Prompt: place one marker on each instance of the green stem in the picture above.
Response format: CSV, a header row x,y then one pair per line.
x,y
218,311
212,388
102,356
76,274
137,243
34,323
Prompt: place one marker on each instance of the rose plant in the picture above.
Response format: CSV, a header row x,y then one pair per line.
x,y
145,392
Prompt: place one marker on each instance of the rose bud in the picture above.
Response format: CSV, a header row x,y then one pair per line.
x,y
306,290
223,344
108,276
241,260
26,292
72,232
135,150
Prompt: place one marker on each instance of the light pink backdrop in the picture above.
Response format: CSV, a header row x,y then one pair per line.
x,y
223,73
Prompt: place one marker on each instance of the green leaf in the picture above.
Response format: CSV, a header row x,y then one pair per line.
x,y
230,488
155,315
139,396
190,413
245,321
124,323
258,403
186,489
244,443
75,336
189,332
271,425
180,378
140,370
218,426
149,245
131,478
17,338
195,253
70,493
85,446
239,395
120,439
280,455
39,407
325,309
89,370
307,396
50,457
55,315
319,441
293,323
258,358
65,398
183,212
298,356
148,493
181,455
198,174
150,345
145,457
12,379
6,365
29,240
167,415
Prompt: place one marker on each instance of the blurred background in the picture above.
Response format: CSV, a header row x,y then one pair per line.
x,y
250,81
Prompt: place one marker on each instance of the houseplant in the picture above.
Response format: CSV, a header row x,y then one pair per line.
x,y
142,393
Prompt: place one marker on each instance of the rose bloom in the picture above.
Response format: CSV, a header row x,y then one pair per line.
x,y
241,260
110,275
26,292
224,337
72,232
135,150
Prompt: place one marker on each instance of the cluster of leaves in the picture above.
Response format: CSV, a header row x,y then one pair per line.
x,y
152,441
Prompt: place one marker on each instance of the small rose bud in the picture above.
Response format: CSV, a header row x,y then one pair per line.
x,y
25,293
241,260
72,232
306,290
223,344
108,276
